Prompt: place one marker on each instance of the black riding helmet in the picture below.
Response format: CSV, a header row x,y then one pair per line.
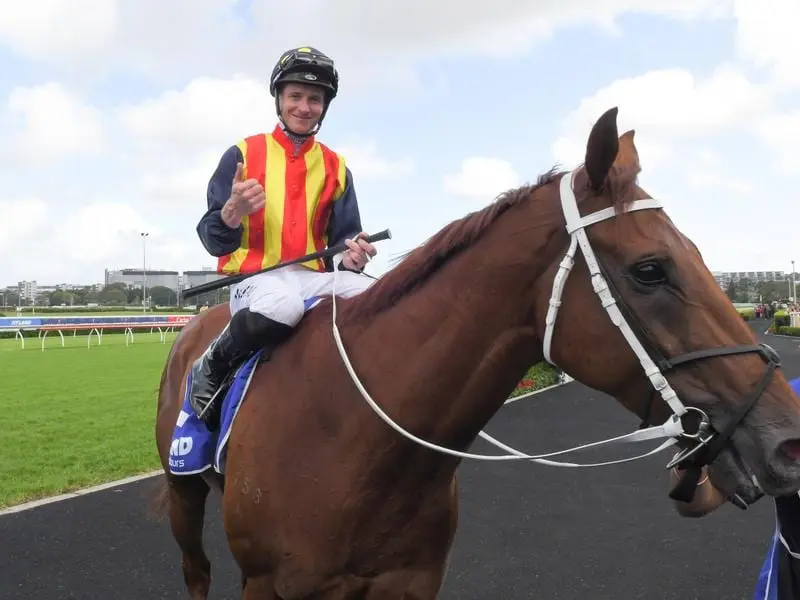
x,y
305,65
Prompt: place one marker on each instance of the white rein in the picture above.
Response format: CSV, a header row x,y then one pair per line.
x,y
670,430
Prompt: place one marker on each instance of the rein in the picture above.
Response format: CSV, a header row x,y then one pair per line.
x,y
700,446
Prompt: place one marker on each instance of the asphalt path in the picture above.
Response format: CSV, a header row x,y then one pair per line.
x,y
526,531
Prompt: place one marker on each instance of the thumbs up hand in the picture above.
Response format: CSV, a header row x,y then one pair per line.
x,y
247,197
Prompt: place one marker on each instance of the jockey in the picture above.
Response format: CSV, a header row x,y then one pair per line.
x,y
276,197
779,577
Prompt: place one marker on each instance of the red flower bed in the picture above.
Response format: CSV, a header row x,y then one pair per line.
x,y
524,384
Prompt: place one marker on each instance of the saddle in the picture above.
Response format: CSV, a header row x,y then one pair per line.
x,y
215,406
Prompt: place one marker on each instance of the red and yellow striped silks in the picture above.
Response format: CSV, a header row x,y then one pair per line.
x,y
300,191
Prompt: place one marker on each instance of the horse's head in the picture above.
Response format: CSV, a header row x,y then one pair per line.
x,y
663,312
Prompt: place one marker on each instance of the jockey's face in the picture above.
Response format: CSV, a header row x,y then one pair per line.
x,y
301,106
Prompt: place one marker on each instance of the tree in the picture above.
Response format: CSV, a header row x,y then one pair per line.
x,y
134,296
11,298
162,296
112,295
731,290
60,297
773,291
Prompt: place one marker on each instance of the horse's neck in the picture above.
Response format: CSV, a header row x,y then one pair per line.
x,y
464,340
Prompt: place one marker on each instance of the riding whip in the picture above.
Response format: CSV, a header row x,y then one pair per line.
x,y
327,253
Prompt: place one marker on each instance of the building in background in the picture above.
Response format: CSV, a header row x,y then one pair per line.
x,y
194,278
724,278
134,278
27,290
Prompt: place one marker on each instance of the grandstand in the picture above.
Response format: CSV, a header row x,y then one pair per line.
x,y
95,325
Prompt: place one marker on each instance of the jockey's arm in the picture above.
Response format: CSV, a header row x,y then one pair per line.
x,y
217,238
706,500
345,219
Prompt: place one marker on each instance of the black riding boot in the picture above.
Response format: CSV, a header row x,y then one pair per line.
x,y
247,332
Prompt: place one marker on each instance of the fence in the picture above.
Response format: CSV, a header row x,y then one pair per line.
x,y
95,325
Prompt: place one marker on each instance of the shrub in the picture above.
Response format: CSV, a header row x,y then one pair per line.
x,y
781,320
539,376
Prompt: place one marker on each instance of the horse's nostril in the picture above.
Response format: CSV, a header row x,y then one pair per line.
x,y
791,449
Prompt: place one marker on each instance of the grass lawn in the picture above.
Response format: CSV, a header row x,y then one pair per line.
x,y
76,416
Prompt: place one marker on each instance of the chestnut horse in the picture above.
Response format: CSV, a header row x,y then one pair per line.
x,y
323,500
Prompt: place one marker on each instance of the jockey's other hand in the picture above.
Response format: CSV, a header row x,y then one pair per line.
x,y
359,252
247,197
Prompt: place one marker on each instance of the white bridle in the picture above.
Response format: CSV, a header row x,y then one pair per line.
x,y
576,226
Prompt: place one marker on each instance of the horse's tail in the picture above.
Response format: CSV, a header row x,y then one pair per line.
x,y
158,506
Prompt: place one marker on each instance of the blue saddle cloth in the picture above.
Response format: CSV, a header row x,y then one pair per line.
x,y
194,448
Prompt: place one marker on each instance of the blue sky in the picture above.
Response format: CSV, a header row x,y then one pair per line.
x,y
113,115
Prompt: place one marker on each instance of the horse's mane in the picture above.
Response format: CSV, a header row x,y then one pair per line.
x,y
419,264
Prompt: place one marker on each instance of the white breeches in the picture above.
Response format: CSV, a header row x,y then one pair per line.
x,y
280,294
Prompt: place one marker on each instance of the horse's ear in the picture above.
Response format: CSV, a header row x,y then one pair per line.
x,y
627,155
602,147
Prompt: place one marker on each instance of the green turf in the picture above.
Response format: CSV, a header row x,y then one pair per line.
x,y
76,416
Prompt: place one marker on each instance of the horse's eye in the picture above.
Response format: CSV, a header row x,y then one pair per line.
x,y
649,272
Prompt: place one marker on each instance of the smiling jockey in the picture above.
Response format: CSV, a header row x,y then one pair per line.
x,y
276,197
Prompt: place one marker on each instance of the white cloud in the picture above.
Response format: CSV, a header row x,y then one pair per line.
x,y
59,29
74,244
481,178
665,106
367,164
706,172
675,101
499,28
166,254
192,37
767,37
207,111
53,124
22,221
178,137
182,187
195,37
97,232
781,133
151,37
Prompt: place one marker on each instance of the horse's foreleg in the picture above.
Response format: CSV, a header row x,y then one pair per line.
x,y
393,585
187,507
420,585
259,588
